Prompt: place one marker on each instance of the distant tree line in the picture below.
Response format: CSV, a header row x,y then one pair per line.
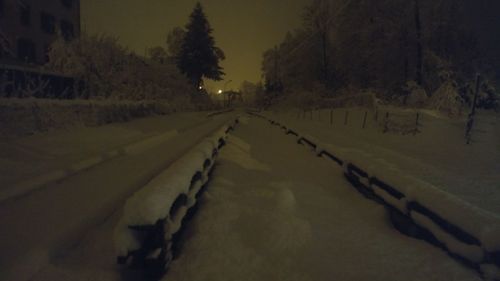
x,y
392,47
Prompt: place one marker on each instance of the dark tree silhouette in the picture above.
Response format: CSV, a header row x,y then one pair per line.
x,y
199,56
175,39
418,26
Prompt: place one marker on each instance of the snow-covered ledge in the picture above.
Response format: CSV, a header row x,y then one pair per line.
x,y
154,214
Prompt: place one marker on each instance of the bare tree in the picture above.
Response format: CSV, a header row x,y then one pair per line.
x,y
418,27
318,18
5,45
175,39
34,85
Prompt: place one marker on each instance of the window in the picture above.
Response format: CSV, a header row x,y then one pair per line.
x,y
25,13
67,3
48,23
67,30
26,50
2,7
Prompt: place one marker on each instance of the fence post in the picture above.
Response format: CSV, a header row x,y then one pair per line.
x,y
364,120
346,117
416,123
386,122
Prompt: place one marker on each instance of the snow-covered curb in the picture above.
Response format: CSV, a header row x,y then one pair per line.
x,y
154,214
465,231
26,186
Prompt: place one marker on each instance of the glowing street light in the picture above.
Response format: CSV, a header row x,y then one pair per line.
x,y
220,92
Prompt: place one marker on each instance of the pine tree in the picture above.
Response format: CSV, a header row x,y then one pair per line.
x,y
199,56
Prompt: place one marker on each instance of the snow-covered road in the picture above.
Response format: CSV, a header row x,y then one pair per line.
x,y
39,228
274,211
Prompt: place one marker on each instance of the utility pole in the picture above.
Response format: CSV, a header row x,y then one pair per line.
x,y
276,67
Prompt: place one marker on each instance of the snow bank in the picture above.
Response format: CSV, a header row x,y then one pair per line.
x,y
160,207
27,116
464,230
215,113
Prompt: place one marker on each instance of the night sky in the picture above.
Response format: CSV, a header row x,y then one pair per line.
x,y
243,29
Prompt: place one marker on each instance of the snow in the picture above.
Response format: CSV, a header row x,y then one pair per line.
x,y
297,220
490,272
436,155
399,204
483,225
29,163
154,202
23,117
239,151
273,211
44,230
473,253
139,147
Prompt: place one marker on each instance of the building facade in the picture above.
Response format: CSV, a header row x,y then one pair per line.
x,y
28,27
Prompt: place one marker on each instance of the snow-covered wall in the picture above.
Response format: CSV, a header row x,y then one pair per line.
x,y
465,231
151,218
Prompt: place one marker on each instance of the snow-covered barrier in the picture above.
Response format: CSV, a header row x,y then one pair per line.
x,y
420,209
463,230
146,233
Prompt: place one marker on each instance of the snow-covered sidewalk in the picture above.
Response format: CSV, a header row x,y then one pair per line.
x,y
31,162
274,211
40,228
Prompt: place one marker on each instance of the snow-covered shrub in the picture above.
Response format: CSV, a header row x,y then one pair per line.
x,y
109,70
447,99
366,99
489,97
303,99
416,95
437,70
5,45
28,116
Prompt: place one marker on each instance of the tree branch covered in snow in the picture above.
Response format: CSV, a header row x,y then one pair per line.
x,y
5,44
109,70
376,45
